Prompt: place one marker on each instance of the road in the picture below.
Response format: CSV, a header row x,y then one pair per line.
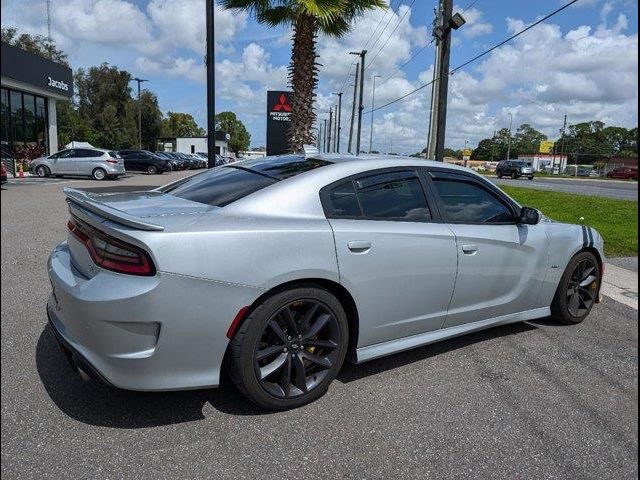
x,y
619,190
531,400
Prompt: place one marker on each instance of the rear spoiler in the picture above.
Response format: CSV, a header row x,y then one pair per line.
x,y
82,199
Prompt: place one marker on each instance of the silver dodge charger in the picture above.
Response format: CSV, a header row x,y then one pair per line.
x,y
279,268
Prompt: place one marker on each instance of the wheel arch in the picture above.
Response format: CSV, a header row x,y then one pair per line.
x,y
339,291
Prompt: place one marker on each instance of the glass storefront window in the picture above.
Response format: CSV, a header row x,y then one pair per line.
x,y
17,119
29,112
23,121
41,124
4,117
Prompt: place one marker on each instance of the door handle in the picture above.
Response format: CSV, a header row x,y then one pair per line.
x,y
359,246
470,249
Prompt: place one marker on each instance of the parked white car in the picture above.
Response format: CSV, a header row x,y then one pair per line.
x,y
83,162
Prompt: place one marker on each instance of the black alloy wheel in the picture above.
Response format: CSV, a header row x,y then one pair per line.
x,y
298,347
289,349
582,288
578,290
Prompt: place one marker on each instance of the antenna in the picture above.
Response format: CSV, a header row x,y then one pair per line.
x,y
49,27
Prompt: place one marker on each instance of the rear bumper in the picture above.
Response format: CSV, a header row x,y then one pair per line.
x,y
166,332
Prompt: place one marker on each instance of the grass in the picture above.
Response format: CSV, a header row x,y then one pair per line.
x,y
616,220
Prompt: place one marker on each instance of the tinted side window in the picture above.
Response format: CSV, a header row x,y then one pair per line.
x,y
395,199
85,153
468,202
393,196
342,202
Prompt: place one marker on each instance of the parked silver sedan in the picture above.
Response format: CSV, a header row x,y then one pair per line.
x,y
80,162
279,268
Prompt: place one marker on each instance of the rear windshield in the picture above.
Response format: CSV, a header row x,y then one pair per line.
x,y
224,185
114,154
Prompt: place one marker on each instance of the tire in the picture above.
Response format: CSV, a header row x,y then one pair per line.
x,y
258,334
42,171
514,176
561,307
499,175
530,178
99,174
152,169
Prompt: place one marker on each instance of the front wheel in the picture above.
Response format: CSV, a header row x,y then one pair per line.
x,y
152,169
42,171
289,349
499,175
578,289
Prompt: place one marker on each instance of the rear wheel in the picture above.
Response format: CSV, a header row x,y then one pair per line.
x,y
99,174
152,169
578,289
290,348
499,175
42,171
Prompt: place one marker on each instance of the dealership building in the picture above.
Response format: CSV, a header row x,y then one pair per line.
x,y
30,87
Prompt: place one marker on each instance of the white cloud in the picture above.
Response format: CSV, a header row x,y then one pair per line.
x,y
475,27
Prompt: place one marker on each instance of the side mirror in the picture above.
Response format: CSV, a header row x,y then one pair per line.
x,y
529,216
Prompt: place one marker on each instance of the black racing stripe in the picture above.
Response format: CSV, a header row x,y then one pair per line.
x,y
590,233
585,238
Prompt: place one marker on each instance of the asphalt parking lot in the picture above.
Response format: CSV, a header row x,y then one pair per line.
x,y
615,189
531,400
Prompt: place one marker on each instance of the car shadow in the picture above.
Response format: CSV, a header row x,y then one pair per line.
x,y
351,372
96,404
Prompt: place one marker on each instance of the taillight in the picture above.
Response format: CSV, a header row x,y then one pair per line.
x,y
111,160
111,253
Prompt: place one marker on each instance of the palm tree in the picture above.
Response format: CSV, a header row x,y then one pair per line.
x,y
307,18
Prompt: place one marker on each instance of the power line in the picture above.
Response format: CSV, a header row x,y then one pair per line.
x,y
406,63
379,23
383,30
391,34
470,5
451,72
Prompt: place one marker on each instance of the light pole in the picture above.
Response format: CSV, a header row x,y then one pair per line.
x,y
509,142
211,85
464,152
139,80
373,105
362,54
338,122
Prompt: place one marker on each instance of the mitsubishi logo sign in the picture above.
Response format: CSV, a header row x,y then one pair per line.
x,y
282,104
279,111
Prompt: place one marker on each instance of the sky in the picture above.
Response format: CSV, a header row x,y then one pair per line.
x,y
582,63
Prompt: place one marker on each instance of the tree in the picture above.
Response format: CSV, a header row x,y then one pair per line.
x,y
527,140
151,119
240,137
106,105
181,125
71,126
36,44
307,18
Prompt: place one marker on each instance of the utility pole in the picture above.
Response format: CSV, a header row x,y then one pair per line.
x,y
338,122
373,105
353,106
139,80
493,144
211,85
362,54
49,39
509,142
433,114
445,22
463,155
330,129
319,136
325,136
